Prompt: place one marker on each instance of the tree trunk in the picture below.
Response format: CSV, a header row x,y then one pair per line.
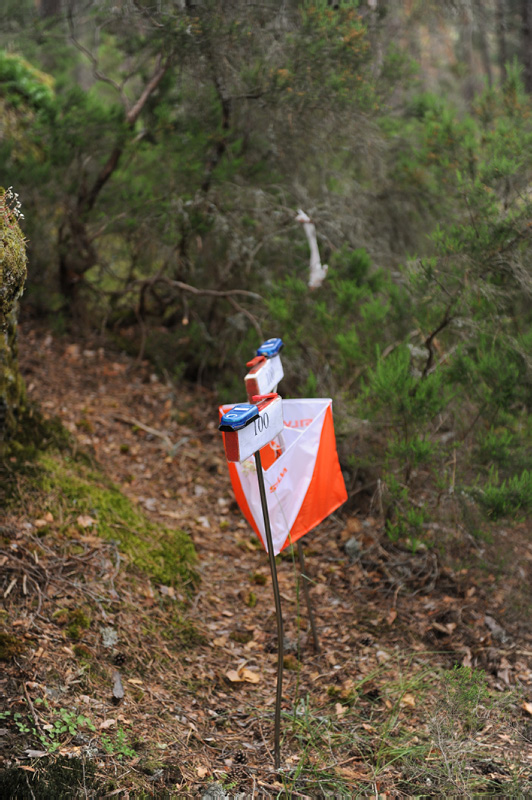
x,y
526,40
483,43
12,278
466,52
500,26
49,8
76,256
77,253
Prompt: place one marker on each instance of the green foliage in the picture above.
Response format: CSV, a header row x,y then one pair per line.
x,y
251,121
505,449
407,399
118,746
467,697
509,498
61,724
22,83
404,520
335,334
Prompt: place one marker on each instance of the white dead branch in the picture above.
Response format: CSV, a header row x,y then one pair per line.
x,y
318,271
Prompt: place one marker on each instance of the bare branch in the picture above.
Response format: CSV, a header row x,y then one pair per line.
x,y
146,13
254,321
447,319
185,287
87,201
160,71
94,61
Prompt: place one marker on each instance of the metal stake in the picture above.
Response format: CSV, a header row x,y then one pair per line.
x,y
278,614
306,592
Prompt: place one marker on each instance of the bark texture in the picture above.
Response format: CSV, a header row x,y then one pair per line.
x,y
526,29
12,278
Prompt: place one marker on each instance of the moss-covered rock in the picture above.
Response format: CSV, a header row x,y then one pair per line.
x,y
13,272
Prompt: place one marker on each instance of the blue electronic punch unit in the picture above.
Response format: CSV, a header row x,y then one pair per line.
x,y
270,348
238,417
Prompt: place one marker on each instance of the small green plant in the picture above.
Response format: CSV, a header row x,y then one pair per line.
x,y
497,447
51,734
467,697
118,747
507,498
464,709
404,520
70,722
21,723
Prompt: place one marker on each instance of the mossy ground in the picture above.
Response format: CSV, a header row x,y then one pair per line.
x,y
61,779
69,489
10,646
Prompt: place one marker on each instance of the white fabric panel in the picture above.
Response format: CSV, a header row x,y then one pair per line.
x,y
288,478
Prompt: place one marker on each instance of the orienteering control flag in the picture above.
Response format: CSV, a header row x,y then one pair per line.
x,y
303,480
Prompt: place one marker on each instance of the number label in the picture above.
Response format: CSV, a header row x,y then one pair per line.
x,y
261,423
241,444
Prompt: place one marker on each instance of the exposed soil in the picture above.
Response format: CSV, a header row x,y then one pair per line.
x,y
197,666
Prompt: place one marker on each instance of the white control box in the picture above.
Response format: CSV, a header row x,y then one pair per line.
x,y
259,432
264,376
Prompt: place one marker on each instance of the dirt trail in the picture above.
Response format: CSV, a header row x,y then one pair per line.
x,y
386,619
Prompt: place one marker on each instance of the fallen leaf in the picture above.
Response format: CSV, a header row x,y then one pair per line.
x,y
171,514
351,774
84,521
392,616
527,707
107,723
201,772
233,676
408,700
382,656
242,675
249,676
220,641
340,710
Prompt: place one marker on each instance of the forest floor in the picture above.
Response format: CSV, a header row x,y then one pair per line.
x,y
135,687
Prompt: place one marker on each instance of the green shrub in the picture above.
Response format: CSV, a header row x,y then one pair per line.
x,y
508,498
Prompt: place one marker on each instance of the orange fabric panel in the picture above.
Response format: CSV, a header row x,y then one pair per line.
x,y
326,491
268,455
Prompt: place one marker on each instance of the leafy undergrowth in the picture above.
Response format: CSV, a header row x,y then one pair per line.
x,y
124,676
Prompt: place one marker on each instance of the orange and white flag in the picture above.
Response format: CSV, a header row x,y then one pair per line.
x,y
302,476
